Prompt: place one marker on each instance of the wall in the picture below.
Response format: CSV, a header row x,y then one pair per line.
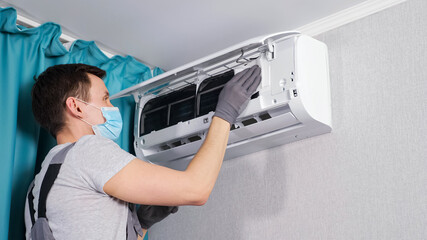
x,y
365,180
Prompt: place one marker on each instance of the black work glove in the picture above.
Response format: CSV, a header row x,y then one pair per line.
x,y
149,214
236,92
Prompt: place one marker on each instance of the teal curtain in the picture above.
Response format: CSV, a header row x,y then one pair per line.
x,y
24,54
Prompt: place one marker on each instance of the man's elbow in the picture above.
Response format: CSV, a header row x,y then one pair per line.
x,y
199,197
202,200
198,191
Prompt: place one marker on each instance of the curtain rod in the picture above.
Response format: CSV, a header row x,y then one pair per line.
x,y
65,39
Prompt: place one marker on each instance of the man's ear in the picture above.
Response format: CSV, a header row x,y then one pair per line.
x,y
73,107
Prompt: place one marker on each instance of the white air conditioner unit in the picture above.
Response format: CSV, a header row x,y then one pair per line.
x,y
174,110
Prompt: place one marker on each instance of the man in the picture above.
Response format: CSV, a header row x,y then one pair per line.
x,y
89,199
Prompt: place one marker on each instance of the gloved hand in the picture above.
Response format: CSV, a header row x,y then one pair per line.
x,y
149,214
236,92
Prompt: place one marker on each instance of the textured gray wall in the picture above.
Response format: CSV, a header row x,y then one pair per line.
x,y
365,180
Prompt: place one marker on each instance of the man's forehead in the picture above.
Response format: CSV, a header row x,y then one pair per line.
x,y
97,85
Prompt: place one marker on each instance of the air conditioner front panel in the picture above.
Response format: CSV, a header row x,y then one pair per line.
x,y
212,61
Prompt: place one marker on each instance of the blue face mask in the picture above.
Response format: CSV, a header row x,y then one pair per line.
x,y
113,125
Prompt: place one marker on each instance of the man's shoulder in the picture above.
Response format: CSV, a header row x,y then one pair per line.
x,y
91,140
97,147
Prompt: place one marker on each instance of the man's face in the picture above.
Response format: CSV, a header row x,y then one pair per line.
x,y
99,97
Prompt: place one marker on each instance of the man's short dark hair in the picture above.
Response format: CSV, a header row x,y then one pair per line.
x,y
54,86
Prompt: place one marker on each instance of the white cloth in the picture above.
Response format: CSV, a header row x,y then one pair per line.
x,y
77,206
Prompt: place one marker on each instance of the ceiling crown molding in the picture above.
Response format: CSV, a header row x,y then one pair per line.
x,y
346,16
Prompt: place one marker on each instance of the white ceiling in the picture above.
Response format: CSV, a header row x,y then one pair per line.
x,y
171,33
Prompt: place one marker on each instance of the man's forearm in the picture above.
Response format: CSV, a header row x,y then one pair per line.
x,y
205,166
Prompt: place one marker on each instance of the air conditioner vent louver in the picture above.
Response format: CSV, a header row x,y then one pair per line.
x,y
256,119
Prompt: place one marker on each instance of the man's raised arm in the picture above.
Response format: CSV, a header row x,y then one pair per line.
x,y
144,183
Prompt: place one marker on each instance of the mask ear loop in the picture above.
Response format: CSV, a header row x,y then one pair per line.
x,y
90,105
86,122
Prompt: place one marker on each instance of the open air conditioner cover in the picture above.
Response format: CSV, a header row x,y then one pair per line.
x,y
174,109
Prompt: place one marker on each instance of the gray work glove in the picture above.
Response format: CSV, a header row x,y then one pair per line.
x,y
236,92
149,214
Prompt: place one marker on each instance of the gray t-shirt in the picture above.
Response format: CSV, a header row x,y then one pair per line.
x,y
77,206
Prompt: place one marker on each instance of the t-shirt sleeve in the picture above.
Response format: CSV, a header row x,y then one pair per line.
x,y
100,159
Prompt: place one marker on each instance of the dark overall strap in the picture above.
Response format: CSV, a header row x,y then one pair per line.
x,y
31,203
48,180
